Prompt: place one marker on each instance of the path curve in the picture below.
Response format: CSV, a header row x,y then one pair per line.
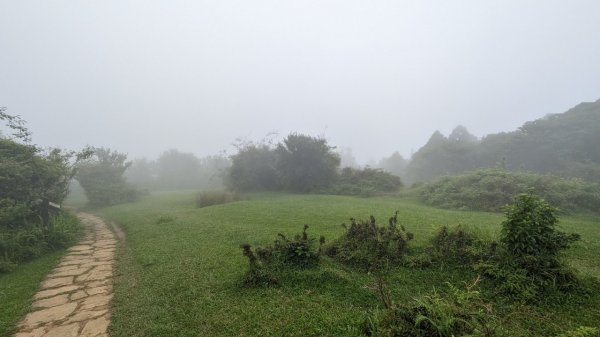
x,y
74,298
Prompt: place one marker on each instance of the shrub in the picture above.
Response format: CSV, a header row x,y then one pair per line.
x,y
528,264
364,182
26,243
459,246
300,252
257,274
371,247
460,313
491,189
215,197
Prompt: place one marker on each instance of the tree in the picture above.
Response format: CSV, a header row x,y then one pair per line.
x,y
101,177
30,178
395,164
306,163
178,170
253,168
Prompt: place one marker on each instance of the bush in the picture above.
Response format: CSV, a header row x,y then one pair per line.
x,y
491,189
371,247
215,197
101,177
26,243
528,264
299,252
460,313
365,182
459,246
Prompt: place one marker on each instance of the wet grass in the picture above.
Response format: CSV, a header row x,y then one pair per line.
x,y
18,287
179,272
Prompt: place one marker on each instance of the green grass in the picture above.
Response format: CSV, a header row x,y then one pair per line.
x,y
18,287
179,272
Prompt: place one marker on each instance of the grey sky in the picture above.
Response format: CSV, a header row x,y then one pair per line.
x,y
377,76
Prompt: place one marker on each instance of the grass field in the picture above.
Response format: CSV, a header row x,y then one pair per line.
x,y
17,289
179,272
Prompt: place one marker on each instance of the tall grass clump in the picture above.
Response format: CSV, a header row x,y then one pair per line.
x,y
364,182
491,189
461,312
216,197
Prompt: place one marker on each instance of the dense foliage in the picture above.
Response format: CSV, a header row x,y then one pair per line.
x,y
101,177
459,313
369,246
364,182
215,197
253,168
528,263
301,251
491,189
563,144
30,180
306,163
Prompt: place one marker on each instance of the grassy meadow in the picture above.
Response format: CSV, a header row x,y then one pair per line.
x,y
179,272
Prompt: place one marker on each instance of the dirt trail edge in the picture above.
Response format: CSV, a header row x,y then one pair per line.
x,y
74,298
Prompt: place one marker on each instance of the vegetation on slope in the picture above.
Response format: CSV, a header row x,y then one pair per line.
x,y
491,189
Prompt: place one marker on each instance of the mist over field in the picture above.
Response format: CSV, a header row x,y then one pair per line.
x,y
377,77
300,168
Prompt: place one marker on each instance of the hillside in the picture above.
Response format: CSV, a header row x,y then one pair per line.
x,y
565,144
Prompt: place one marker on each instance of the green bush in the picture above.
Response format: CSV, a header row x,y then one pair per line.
x,y
528,263
582,331
459,246
491,189
101,177
216,197
371,247
300,252
26,243
365,182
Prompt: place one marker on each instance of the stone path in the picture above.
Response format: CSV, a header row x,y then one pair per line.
x,y
74,298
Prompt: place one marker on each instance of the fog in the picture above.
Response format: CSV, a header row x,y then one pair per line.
x,y
375,77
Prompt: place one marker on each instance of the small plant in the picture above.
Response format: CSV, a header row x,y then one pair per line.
x,y
257,274
371,247
215,197
461,312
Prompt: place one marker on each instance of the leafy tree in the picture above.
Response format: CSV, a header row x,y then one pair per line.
x,y
306,163
101,177
253,168
178,170
30,178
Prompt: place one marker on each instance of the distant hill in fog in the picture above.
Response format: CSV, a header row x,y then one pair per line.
x,y
566,144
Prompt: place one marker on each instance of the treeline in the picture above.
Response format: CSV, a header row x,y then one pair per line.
x,y
562,144
178,170
303,164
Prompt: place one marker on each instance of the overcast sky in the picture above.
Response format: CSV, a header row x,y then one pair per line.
x,y
376,76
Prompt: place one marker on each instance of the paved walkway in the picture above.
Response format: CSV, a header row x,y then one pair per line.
x,y
74,298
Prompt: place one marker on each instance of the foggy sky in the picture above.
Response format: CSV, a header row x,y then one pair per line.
x,y
377,76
